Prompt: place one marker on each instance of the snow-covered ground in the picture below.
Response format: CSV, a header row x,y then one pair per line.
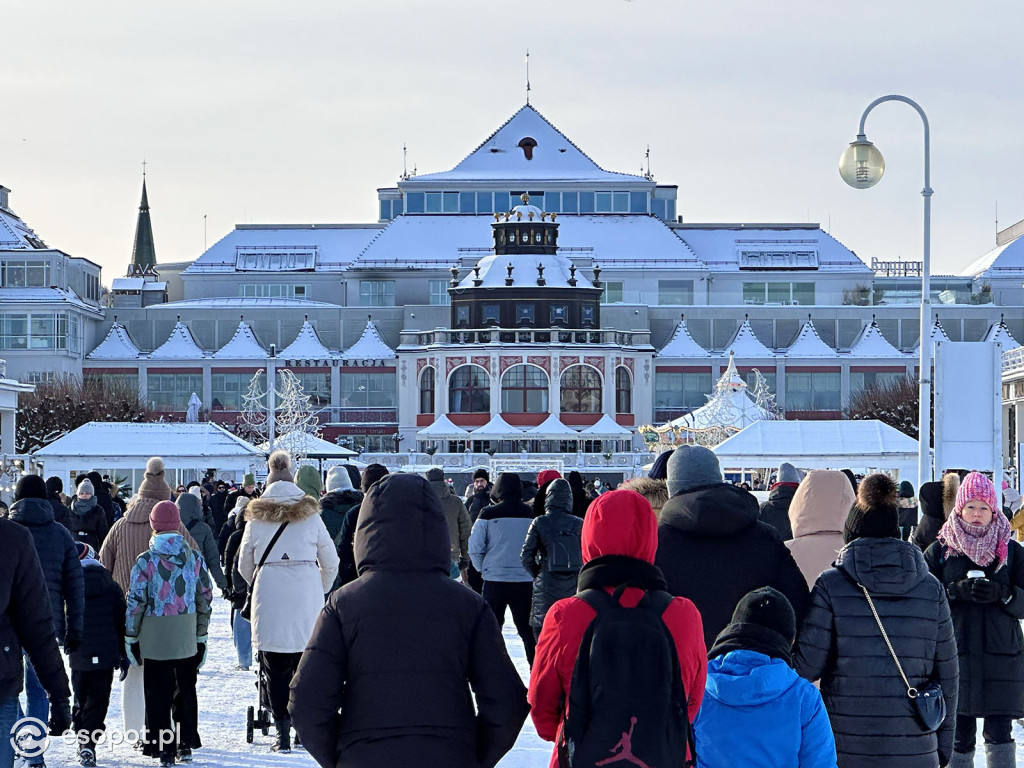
x,y
224,694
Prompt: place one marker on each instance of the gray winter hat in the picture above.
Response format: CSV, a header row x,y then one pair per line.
x,y
692,466
558,496
787,473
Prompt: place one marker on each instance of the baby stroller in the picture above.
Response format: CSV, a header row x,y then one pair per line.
x,y
259,717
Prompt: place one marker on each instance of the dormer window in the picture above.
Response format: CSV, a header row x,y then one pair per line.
x,y
527,144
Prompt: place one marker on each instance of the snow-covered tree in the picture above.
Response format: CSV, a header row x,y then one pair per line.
x,y
895,404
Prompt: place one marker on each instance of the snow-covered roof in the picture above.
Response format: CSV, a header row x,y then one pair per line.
x,y
682,344
438,242
938,333
309,445
137,284
442,429
606,426
552,428
242,346
16,235
179,345
1006,260
117,345
284,247
493,272
306,346
497,429
871,343
10,297
746,345
999,332
762,250
809,344
370,346
504,155
176,442
240,302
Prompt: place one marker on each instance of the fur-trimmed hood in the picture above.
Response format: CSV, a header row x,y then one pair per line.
x,y
655,491
276,511
950,487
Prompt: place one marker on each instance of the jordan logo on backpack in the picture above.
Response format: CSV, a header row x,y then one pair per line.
x,y
624,749
626,671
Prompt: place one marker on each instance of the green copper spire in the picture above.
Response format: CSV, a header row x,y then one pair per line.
x,y
144,253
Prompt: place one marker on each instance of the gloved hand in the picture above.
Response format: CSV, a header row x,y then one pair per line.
x,y
60,716
225,594
943,759
71,642
201,651
987,591
133,651
122,665
960,590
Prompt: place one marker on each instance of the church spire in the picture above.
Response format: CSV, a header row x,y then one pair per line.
x,y
144,253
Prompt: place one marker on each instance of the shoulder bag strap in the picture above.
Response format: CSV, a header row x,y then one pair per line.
x,y
911,690
270,546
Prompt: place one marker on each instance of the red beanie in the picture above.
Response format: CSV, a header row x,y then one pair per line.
x,y
165,517
547,475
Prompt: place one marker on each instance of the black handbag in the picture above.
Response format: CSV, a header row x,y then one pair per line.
x,y
927,701
246,611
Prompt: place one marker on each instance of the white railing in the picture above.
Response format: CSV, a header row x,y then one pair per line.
x,y
628,463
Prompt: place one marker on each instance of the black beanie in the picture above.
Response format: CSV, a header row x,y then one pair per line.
x,y
659,469
30,487
764,621
481,473
876,513
54,484
435,473
371,475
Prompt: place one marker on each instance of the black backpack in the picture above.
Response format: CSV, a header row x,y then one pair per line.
x,y
627,704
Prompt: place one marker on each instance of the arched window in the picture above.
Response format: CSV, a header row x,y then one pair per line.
x,y
580,390
623,391
469,390
524,389
427,390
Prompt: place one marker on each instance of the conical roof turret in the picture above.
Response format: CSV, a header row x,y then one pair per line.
x,y
144,252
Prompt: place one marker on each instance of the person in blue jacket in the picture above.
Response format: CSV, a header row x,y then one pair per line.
x,y
757,711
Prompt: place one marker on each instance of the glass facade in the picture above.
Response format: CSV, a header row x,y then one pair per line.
x,y
604,201
675,292
377,293
469,390
681,390
580,390
861,380
368,390
35,330
818,391
439,296
524,389
171,391
778,293
24,273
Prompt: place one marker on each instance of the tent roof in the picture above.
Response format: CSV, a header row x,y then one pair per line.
x,y
682,344
819,445
242,346
117,345
309,445
442,428
745,343
497,428
809,344
606,426
306,346
370,346
180,345
552,427
170,440
871,343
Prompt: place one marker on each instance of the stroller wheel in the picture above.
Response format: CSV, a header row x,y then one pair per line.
x,y
249,725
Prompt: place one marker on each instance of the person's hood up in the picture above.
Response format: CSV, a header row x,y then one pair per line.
x,y
99,487
309,480
716,510
401,527
441,488
558,498
620,523
930,501
190,508
32,512
340,501
821,503
170,547
781,491
508,486
886,566
97,578
747,678
655,491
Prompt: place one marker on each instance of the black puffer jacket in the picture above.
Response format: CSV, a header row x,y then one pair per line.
x,y
61,566
87,522
103,497
775,511
335,505
103,636
713,550
552,552
26,622
840,644
932,515
191,511
237,589
403,652
60,512
478,502
988,636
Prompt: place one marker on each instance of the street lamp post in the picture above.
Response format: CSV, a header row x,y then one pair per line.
x,y
861,166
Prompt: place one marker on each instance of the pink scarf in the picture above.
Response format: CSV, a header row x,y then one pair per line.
x,y
982,544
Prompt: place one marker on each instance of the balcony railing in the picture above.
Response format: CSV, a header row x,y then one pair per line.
x,y
545,336
628,463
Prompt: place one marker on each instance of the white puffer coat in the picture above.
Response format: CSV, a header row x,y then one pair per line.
x,y
300,569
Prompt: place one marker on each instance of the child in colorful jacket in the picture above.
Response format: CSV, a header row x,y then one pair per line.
x,y
168,600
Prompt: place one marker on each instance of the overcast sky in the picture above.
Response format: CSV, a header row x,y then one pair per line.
x,y
273,112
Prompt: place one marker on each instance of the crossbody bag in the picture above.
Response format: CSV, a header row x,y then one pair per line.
x,y
246,611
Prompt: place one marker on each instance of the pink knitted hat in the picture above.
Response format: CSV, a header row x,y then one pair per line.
x,y
164,517
975,487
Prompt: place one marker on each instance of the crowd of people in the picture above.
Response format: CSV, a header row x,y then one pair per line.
x,y
844,621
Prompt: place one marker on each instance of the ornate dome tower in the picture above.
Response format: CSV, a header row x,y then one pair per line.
x,y
525,283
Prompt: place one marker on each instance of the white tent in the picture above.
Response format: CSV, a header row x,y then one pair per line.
x,y
442,429
858,445
309,446
552,428
497,429
121,446
607,428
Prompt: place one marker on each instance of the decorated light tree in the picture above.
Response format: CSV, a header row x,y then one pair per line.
x,y
292,408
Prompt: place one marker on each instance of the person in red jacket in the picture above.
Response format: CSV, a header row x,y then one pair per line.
x,y
620,538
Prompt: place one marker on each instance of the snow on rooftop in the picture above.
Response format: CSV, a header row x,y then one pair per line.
x,y
871,343
242,346
442,428
370,346
606,426
745,344
173,440
999,332
682,344
809,344
497,429
117,345
729,248
241,302
527,146
552,427
494,271
938,334
1005,260
12,296
16,235
180,345
306,346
